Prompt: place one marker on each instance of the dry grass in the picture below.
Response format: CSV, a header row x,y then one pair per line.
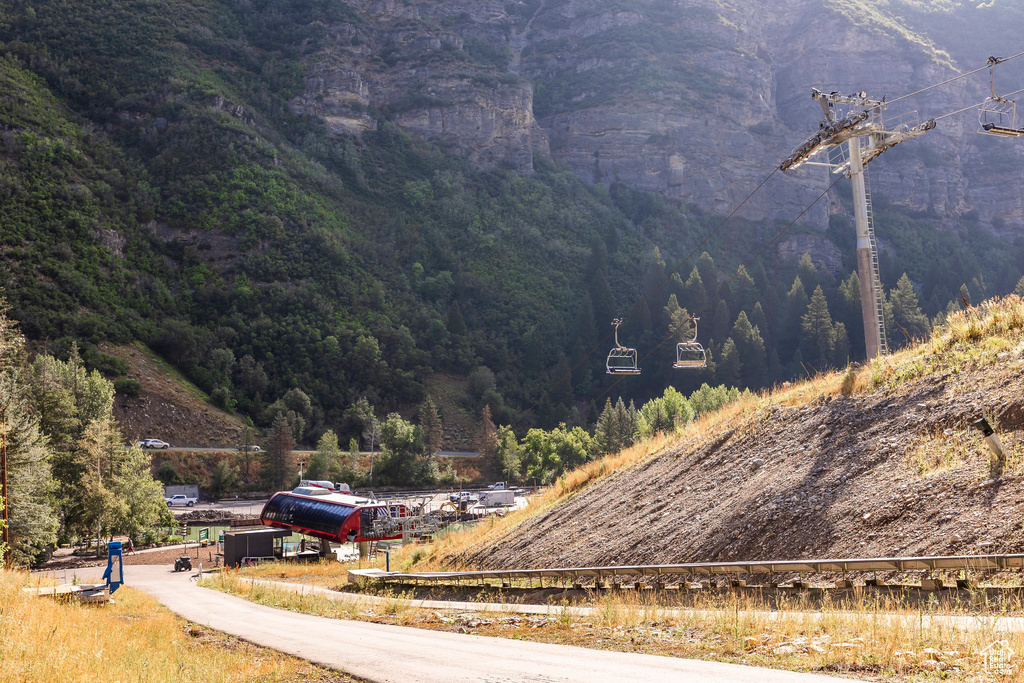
x,y
862,633
134,639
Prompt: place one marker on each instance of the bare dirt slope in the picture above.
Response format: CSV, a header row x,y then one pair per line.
x,y
893,469
168,407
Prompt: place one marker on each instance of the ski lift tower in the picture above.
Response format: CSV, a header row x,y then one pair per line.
x,y
853,133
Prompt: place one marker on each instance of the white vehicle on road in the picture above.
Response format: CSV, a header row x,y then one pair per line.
x,y
153,443
180,499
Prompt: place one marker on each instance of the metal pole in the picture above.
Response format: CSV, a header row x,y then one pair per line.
x,y
868,295
3,493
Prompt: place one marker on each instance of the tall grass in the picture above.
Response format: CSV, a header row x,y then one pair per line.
x,y
132,639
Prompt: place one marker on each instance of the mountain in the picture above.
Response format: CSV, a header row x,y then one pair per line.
x,y
362,198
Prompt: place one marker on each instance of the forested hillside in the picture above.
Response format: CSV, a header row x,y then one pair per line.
x,y
158,182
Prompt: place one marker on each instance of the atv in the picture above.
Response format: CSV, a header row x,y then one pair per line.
x,y
183,563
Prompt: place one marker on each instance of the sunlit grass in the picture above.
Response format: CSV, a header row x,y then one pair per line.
x,y
132,639
859,632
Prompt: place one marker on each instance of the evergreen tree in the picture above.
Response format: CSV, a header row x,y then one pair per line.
x,y
247,448
793,308
1019,289
742,291
750,350
818,335
807,273
729,365
680,326
694,293
850,311
430,423
708,272
759,320
906,312
33,521
487,444
842,346
278,462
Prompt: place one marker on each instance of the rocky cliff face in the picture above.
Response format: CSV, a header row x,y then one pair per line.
x,y
695,99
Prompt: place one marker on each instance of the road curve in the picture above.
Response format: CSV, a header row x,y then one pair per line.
x,y
396,654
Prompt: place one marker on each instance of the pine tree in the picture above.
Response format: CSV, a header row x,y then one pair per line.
x,y
33,520
708,272
794,306
807,273
850,311
680,326
729,365
906,311
742,291
818,335
1019,289
694,293
487,444
750,349
278,460
430,423
842,346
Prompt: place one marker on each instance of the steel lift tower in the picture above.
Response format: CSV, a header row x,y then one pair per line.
x,y
854,133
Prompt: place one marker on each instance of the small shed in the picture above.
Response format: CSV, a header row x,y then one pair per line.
x,y
252,544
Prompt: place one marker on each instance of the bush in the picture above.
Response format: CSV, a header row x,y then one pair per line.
x,y
127,386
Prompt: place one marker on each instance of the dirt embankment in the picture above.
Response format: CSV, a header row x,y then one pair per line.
x,y
889,473
168,408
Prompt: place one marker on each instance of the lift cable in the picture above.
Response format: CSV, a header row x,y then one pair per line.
x,y
993,61
741,269
975,106
604,340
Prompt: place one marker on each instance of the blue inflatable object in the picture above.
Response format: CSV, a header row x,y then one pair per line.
x,y
114,573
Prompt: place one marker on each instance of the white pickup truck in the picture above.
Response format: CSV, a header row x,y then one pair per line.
x,y
180,499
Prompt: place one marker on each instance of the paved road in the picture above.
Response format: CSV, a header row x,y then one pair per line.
x,y
395,654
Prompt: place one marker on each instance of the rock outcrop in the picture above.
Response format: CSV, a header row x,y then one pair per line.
x,y
695,99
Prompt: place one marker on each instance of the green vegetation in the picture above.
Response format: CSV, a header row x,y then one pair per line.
x,y
156,187
70,475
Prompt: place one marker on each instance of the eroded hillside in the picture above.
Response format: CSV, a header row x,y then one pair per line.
x,y
894,468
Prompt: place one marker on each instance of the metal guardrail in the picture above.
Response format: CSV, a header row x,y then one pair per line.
x,y
951,562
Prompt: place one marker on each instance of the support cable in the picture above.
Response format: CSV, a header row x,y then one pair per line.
x,y
988,65
741,269
604,340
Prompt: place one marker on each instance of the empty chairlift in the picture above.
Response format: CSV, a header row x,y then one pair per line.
x,y
690,355
621,360
998,115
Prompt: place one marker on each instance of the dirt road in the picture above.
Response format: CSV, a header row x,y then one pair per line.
x,y
386,654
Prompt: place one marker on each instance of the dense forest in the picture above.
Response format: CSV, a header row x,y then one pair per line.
x,y
155,185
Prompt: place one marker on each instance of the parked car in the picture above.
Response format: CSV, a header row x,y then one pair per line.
x,y
497,486
153,443
180,499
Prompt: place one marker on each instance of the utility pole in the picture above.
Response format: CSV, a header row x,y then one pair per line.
x,y
3,493
866,135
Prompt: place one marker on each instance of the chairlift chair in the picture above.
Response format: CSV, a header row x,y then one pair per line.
x,y
690,355
621,360
998,115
